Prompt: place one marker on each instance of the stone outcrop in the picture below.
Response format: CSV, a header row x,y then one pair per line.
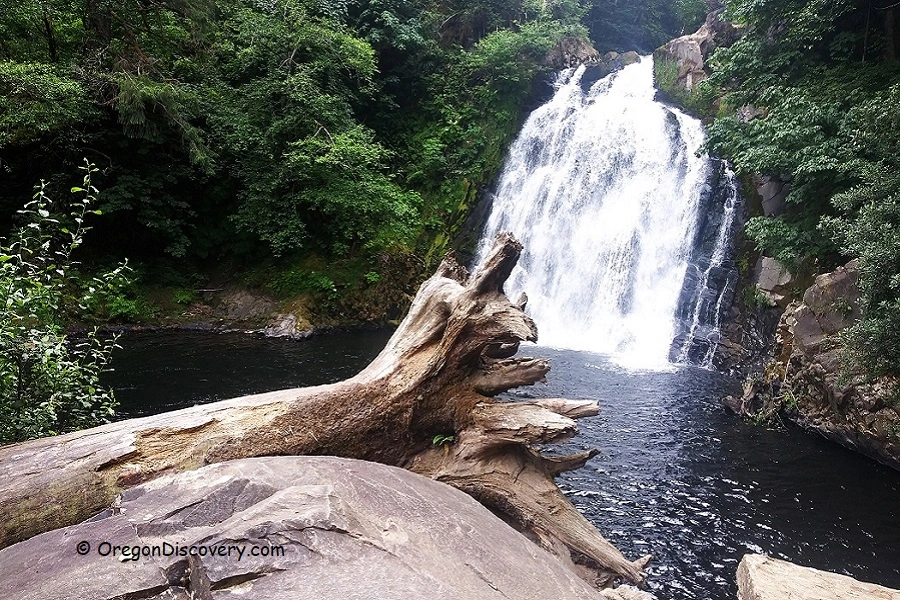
x,y
613,61
746,338
773,281
807,380
571,52
765,578
690,52
772,193
345,529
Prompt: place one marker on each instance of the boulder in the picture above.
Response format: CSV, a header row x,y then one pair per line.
x,y
808,381
765,578
241,305
830,305
571,52
689,52
629,58
773,281
614,61
772,193
291,527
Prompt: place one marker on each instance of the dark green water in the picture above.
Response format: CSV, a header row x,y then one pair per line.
x,y
678,476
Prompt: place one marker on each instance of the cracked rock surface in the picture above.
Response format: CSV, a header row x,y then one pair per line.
x,y
349,530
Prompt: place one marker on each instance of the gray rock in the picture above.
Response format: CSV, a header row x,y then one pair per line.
x,y
571,52
830,305
773,194
629,58
348,529
243,305
765,578
691,51
282,326
773,280
808,378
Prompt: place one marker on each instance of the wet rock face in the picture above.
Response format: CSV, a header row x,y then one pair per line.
x,y
765,578
806,378
310,527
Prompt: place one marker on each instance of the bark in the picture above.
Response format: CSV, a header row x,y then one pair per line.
x,y
435,377
50,35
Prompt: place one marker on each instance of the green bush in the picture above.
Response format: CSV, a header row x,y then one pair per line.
x,y
826,122
298,281
183,296
48,383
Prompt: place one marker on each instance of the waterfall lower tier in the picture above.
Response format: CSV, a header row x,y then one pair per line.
x,y
711,277
627,226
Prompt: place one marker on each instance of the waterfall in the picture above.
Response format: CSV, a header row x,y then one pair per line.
x,y
711,277
608,192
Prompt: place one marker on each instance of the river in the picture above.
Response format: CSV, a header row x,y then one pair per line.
x,y
678,476
629,264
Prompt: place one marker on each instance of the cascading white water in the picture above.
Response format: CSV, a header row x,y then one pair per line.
x,y
603,188
705,320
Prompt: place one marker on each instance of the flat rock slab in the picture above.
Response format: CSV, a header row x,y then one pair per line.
x,y
289,527
765,578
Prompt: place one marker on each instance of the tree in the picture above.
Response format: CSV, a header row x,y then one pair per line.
x,y
827,123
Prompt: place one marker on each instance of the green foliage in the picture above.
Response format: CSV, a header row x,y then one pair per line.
x,y
37,100
789,399
238,130
699,101
871,234
49,384
183,296
443,440
339,180
828,126
298,281
641,24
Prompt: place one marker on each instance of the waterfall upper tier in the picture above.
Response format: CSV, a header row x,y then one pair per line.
x,y
608,191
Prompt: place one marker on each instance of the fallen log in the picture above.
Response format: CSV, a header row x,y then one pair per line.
x,y
425,403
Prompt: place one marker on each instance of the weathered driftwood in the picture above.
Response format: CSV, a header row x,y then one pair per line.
x,y
436,376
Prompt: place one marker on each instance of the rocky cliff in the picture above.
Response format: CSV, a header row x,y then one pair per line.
x,y
690,52
808,381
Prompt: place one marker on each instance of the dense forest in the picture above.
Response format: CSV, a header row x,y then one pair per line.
x,y
819,84
240,130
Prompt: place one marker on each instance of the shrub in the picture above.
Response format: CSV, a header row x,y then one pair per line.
x,y
48,383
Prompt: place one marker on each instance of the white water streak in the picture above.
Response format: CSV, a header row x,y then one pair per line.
x,y
602,189
719,255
